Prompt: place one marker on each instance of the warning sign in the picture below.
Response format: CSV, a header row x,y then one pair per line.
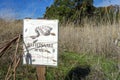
x,y
40,42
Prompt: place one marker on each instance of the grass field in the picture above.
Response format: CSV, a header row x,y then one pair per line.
x,y
91,45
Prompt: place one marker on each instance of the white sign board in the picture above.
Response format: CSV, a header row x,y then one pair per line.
x,y
40,42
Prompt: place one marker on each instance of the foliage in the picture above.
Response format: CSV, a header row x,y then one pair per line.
x,y
77,10
101,67
84,46
72,10
108,14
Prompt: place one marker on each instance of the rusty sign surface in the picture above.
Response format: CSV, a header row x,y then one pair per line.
x,y
40,42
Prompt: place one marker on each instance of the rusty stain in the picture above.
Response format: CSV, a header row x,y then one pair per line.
x,y
53,34
54,60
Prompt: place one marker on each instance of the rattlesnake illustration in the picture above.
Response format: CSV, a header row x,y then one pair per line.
x,y
42,31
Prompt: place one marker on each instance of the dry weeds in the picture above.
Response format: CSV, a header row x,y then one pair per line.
x,y
90,38
94,39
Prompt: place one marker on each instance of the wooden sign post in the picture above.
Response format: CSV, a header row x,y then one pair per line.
x,y
41,71
40,44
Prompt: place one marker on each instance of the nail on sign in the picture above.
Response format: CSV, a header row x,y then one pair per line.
x,y
40,42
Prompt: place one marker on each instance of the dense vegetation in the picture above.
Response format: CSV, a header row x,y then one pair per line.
x,y
90,46
78,46
76,10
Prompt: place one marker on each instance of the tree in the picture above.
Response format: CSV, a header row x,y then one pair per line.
x,y
69,10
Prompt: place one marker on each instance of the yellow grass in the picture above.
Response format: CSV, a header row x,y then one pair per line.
x,y
93,39
90,38
9,29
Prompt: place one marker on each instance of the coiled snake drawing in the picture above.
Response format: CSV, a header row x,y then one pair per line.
x,y
42,31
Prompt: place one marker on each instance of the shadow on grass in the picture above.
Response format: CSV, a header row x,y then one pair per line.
x,y
78,73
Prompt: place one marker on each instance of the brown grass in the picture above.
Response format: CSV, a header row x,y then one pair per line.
x,y
94,39
90,38
9,29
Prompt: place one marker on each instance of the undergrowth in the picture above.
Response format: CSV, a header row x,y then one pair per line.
x,y
91,45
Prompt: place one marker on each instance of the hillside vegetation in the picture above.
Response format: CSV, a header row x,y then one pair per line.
x,y
76,11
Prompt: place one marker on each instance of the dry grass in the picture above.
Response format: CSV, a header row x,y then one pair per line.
x,y
9,29
94,39
90,38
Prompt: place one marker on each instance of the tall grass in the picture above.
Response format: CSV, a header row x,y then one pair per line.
x,y
90,41
97,39
9,29
90,38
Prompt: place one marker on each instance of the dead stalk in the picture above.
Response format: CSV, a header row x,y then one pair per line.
x,y
8,72
15,61
17,46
